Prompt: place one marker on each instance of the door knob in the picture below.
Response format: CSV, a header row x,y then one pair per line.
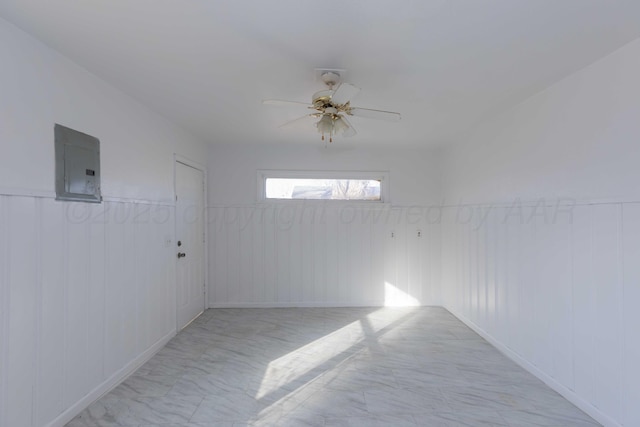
x,y
181,255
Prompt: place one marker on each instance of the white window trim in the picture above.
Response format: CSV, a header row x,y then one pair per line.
x,y
264,174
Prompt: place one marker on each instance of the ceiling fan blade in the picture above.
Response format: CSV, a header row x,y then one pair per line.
x,y
375,114
350,131
281,103
344,93
301,122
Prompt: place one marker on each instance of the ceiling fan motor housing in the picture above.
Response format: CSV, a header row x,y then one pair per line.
x,y
322,98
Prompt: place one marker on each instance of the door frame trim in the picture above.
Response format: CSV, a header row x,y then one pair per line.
x,y
178,158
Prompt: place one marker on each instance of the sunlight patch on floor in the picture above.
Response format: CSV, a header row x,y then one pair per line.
x,y
296,364
285,371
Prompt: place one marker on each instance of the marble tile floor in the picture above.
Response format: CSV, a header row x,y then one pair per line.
x,y
330,367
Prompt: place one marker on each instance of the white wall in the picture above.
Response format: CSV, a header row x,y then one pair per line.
x,y
298,254
544,259
415,174
578,138
86,290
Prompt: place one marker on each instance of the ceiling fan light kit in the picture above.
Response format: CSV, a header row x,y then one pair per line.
x,y
332,106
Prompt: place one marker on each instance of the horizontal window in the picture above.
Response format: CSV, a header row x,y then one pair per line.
x,y
313,185
322,189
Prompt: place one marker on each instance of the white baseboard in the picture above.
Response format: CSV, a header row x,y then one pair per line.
x,y
306,304
110,383
291,304
567,393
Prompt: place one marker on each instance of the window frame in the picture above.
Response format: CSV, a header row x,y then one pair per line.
x,y
265,174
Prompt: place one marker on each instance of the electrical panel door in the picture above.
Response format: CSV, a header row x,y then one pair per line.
x,y
77,166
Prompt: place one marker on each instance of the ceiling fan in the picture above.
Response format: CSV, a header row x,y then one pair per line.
x,y
332,106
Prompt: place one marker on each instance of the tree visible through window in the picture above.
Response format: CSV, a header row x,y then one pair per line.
x,y
322,189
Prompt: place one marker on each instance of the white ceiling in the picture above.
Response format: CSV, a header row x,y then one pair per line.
x,y
444,64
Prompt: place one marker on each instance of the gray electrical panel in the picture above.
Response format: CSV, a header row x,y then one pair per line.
x,y
77,166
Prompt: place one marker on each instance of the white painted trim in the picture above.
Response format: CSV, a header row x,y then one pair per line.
x,y
37,313
384,205
322,304
383,176
330,204
568,394
110,383
4,311
165,202
19,192
190,162
543,202
178,158
295,304
5,191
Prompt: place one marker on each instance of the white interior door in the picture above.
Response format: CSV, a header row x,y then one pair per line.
x,y
189,243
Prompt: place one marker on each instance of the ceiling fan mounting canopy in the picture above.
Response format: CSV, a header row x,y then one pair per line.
x,y
330,78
